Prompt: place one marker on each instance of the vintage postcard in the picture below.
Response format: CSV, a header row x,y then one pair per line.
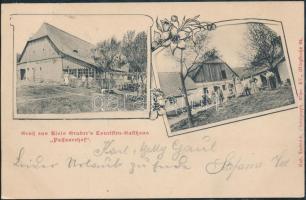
x,y
152,100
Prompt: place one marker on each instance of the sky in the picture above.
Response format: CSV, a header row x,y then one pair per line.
x,y
92,28
229,40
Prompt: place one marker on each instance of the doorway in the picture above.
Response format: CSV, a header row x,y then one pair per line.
x,y
22,74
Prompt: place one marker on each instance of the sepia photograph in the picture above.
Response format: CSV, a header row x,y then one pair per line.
x,y
155,100
214,73
97,68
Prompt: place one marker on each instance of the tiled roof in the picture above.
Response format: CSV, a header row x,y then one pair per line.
x,y
68,44
246,72
170,83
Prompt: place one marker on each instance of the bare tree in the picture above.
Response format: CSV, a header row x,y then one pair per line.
x,y
188,37
265,48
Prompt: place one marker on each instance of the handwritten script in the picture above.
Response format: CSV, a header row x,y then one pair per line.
x,y
154,157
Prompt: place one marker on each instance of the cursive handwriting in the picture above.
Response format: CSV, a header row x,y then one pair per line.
x,y
35,162
107,162
179,149
157,165
230,164
158,149
155,158
109,148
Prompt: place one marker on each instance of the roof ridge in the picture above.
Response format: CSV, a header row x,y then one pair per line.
x,y
46,23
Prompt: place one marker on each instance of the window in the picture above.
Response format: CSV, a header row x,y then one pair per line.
x,y
91,72
223,87
73,72
87,72
40,68
223,74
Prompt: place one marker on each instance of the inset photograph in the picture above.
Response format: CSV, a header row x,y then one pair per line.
x,y
82,66
211,74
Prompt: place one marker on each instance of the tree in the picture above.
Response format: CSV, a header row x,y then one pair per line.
x,y
113,54
183,38
134,47
265,48
107,56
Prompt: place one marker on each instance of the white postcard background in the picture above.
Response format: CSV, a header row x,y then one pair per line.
x,y
266,139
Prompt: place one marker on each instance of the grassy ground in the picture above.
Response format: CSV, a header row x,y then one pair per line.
x,y
53,98
241,106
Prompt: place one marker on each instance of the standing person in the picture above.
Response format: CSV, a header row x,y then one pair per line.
x,y
271,81
66,79
246,87
216,99
221,96
259,85
255,85
139,91
72,80
251,84
83,79
90,80
239,87
205,97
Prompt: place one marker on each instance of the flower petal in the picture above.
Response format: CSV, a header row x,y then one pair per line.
x,y
165,25
165,35
167,43
183,34
181,44
173,47
157,36
173,31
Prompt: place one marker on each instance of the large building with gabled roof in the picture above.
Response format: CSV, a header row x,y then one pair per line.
x,y
51,52
207,75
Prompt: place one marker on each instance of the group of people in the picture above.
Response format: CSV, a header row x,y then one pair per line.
x,y
248,87
216,97
70,79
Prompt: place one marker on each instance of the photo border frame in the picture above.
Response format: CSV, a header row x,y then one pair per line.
x,y
246,117
87,115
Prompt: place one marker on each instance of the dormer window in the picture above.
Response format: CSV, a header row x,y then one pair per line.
x,y
75,51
